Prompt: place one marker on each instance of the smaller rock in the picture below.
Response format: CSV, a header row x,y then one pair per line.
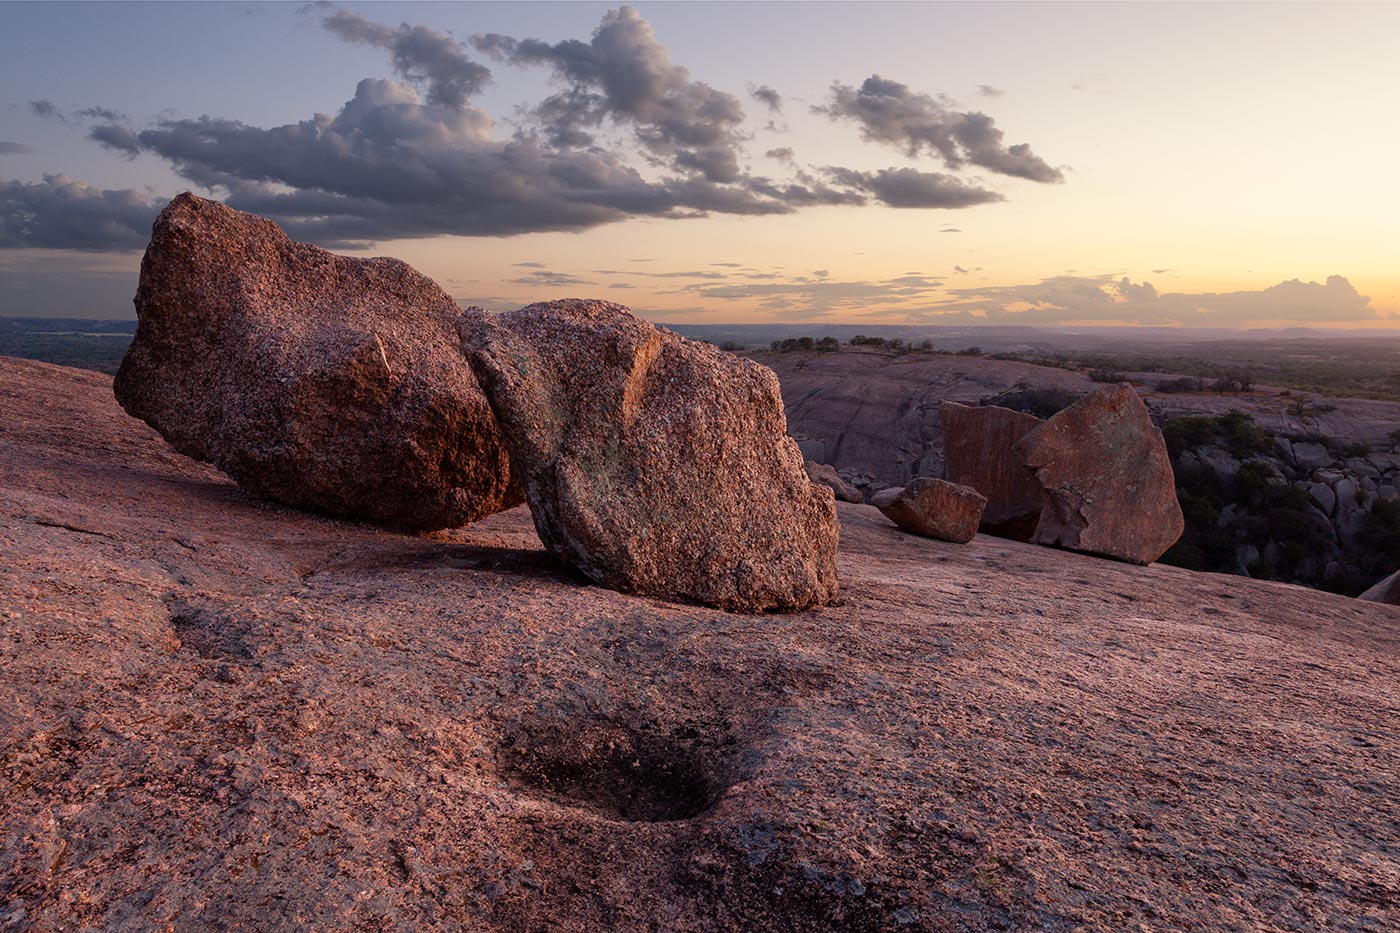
x,y
1387,493
1346,495
1323,495
826,475
1310,455
934,508
1247,555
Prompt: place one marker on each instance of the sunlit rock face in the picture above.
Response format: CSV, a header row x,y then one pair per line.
x,y
315,380
653,463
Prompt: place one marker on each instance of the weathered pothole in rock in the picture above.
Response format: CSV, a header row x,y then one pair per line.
x,y
213,633
617,770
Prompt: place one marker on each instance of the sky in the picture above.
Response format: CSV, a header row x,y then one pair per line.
x,y
1193,164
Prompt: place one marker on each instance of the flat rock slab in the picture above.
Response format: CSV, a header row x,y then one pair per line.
x,y
933,508
315,380
979,451
1106,477
653,463
222,714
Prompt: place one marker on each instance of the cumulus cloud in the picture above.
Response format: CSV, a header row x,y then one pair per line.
x,y
63,213
422,56
14,148
626,76
892,113
628,134
1072,298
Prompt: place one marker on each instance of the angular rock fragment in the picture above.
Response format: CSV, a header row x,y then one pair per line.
x,y
1107,479
934,508
656,464
977,448
316,380
827,476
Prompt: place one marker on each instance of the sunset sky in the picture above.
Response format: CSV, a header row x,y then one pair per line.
x,y
1198,164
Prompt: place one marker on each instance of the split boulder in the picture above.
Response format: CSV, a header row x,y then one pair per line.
x,y
656,464
978,450
1106,477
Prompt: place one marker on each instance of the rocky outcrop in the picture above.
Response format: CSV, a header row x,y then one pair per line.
x,y
653,463
1106,477
978,451
933,508
316,380
827,476
253,718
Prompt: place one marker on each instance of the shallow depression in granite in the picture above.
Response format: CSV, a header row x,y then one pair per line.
x,y
619,771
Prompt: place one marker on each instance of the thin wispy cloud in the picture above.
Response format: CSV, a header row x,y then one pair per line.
x,y
1104,298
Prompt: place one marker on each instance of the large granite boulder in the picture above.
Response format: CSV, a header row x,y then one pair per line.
x,y
656,464
312,379
934,508
1106,478
978,451
827,476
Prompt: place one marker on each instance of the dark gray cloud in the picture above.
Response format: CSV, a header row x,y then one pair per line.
x,y
529,265
62,213
100,113
907,187
768,97
1104,298
986,90
889,112
14,148
47,109
782,154
420,55
51,111
117,138
417,157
